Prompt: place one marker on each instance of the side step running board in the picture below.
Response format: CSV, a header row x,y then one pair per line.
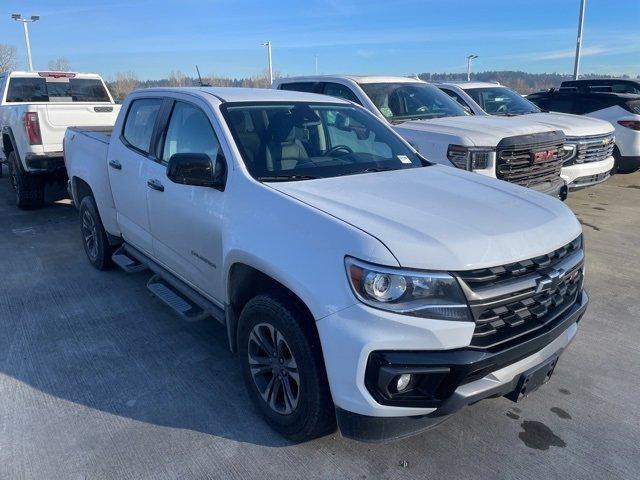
x,y
126,262
183,306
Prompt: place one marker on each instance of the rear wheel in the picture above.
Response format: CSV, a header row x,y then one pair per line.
x,y
94,237
28,189
283,367
616,164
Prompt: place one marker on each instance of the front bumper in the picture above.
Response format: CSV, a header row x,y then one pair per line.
x,y
45,163
582,175
471,375
556,188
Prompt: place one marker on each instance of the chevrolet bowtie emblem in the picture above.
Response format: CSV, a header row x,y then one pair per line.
x,y
550,281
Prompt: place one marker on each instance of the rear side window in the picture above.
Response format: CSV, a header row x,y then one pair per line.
x,y
37,89
455,96
340,91
308,87
633,106
564,104
591,104
140,121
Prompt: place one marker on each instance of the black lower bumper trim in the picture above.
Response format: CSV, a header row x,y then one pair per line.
x,y
44,164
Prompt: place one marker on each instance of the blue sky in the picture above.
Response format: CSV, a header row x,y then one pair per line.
x,y
223,37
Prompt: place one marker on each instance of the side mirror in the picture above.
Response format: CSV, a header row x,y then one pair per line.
x,y
197,169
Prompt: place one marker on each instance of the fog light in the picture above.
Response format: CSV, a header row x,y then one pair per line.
x,y
403,382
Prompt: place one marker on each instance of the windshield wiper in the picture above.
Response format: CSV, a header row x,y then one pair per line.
x,y
285,178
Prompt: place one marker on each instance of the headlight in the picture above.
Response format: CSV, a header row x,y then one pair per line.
x,y
568,153
422,294
470,158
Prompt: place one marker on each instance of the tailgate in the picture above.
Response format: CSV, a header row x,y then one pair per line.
x,y
55,118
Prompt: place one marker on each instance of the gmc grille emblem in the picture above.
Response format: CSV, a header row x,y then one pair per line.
x,y
544,155
550,281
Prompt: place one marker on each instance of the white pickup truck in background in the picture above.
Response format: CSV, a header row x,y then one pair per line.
x,y
35,110
588,158
357,281
519,151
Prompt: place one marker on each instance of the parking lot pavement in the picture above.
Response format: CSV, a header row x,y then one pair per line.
x,y
100,380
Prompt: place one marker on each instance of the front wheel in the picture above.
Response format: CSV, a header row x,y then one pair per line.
x,y
94,237
283,368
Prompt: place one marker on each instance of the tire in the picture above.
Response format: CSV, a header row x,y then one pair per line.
x,y
28,189
310,413
94,237
616,165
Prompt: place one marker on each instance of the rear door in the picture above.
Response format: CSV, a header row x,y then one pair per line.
x,y
186,221
128,159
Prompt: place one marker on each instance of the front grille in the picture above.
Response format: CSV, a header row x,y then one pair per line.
x,y
518,299
591,149
518,163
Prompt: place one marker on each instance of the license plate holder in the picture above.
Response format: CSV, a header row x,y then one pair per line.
x,y
533,379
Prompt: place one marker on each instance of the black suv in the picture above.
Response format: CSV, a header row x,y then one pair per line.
x,y
572,100
615,85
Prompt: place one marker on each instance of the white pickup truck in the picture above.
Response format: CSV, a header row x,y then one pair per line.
x,y
588,158
35,110
518,151
357,281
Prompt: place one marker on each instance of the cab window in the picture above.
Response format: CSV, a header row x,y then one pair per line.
x,y
140,122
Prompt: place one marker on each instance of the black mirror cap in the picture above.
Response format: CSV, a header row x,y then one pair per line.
x,y
197,169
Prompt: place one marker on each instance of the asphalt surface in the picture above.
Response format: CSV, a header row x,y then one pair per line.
x,y
98,379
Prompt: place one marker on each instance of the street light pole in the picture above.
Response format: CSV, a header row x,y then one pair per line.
x,y
268,45
34,18
469,58
576,66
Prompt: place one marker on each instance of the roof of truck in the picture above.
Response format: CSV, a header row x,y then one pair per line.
x,y
355,78
235,94
48,73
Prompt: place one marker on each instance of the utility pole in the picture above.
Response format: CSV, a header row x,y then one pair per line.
x,y
34,18
576,66
316,64
469,58
268,45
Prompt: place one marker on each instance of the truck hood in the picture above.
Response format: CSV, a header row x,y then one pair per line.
x,y
441,218
572,125
478,130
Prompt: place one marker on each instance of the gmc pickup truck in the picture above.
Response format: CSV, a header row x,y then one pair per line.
x,y
359,283
35,110
588,153
520,151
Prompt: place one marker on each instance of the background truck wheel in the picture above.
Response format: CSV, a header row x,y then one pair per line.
x,y
94,237
28,189
283,368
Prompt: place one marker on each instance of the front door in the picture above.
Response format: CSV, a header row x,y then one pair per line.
x,y
186,221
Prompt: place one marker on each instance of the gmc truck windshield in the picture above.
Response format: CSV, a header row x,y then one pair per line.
x,y
36,89
305,141
411,101
501,101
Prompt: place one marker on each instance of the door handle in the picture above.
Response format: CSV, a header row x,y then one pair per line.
x,y
156,185
115,164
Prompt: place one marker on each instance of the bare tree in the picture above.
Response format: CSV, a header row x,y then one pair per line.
x,y
124,83
60,64
7,57
179,79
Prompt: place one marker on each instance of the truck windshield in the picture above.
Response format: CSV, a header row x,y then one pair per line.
x,y
411,101
304,141
36,89
501,101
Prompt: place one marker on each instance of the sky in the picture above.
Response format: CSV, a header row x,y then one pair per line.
x,y
404,37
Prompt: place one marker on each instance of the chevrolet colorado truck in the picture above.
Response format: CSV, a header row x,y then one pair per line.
x,y
35,110
522,152
360,284
588,152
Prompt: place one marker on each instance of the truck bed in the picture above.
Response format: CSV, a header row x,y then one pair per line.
x,y
99,133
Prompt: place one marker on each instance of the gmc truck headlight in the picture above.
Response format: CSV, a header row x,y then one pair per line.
x,y
434,295
469,158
